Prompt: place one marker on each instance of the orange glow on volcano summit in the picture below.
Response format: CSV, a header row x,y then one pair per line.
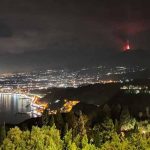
x,y
127,46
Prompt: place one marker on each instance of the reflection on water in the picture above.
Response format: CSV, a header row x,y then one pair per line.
x,y
11,105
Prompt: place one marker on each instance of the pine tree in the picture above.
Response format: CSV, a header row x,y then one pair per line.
x,y
125,115
45,117
81,125
52,121
67,139
126,121
59,121
65,130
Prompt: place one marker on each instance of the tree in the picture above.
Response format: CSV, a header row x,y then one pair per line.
x,y
96,136
7,145
81,125
52,121
72,146
49,138
59,121
71,119
67,139
126,121
107,110
86,145
14,139
2,133
139,141
103,132
65,130
125,115
84,141
45,117
44,138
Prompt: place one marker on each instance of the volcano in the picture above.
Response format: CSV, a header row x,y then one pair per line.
x,y
132,57
127,46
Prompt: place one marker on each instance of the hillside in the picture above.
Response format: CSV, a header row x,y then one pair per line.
x,y
135,57
94,97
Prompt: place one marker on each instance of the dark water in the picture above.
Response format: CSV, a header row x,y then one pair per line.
x,y
10,107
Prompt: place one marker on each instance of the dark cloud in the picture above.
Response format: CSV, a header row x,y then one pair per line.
x,y
67,30
5,31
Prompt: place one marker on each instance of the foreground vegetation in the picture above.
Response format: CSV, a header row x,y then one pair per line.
x,y
77,132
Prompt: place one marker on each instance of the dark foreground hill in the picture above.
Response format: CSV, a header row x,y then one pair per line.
x,y
93,96
99,100
138,104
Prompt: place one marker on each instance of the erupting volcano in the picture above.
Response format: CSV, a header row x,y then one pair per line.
x,y
127,46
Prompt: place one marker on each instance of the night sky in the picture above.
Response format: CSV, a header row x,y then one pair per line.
x,y
69,33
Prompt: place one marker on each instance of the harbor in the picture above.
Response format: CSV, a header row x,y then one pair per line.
x,y
17,107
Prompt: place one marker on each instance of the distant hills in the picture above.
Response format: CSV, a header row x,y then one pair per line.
x,y
93,97
135,57
42,59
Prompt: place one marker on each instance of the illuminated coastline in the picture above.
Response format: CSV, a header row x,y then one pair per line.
x,y
32,103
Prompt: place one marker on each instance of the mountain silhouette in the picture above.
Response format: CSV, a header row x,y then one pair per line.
x,y
135,57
